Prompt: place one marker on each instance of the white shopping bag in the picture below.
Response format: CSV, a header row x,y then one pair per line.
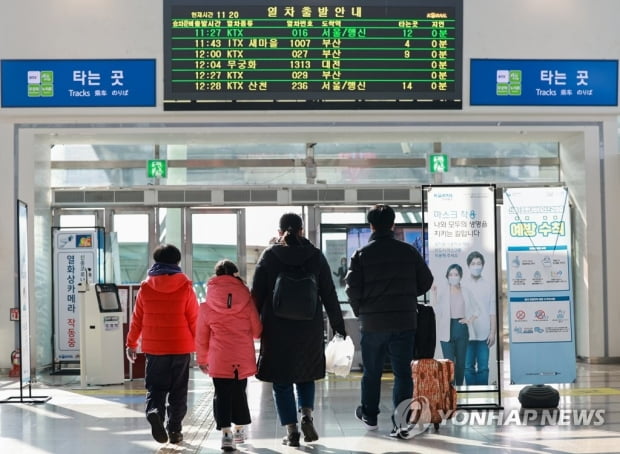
x,y
339,355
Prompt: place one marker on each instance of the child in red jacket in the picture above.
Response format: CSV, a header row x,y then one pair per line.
x,y
164,318
228,323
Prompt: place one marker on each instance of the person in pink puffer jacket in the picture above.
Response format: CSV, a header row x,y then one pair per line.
x,y
228,323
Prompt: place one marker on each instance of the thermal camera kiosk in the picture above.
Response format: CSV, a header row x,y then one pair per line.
x,y
101,356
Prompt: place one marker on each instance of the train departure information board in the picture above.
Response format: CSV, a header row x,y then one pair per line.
x,y
312,54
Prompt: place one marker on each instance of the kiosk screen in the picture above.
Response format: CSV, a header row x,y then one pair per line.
x,y
107,297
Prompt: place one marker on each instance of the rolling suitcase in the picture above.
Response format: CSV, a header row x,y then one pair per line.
x,y
433,379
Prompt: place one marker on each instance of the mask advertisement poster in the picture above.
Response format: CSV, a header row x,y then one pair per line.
x,y
75,252
537,236
461,255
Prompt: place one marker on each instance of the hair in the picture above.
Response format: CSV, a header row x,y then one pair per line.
x,y
381,217
475,255
167,253
455,266
291,226
225,267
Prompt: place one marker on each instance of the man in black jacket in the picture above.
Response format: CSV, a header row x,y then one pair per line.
x,y
384,280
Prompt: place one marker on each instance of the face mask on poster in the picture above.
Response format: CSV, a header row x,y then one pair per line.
x,y
475,270
454,280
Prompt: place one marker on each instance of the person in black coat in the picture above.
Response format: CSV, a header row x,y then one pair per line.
x,y
292,352
384,280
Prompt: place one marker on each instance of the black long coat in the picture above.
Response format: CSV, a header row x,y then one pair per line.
x,y
292,351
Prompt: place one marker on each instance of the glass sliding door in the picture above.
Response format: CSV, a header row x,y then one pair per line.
x,y
132,239
214,235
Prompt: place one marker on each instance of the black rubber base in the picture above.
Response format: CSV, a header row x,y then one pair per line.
x,y
539,396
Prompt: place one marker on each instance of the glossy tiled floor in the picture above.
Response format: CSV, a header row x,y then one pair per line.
x,y
110,420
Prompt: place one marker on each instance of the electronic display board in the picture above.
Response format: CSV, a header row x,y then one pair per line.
x,y
414,234
340,241
315,54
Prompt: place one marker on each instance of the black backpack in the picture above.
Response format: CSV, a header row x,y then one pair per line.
x,y
295,294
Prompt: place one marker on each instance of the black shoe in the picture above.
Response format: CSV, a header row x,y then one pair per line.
x,y
307,427
369,423
292,439
398,432
176,437
404,433
157,427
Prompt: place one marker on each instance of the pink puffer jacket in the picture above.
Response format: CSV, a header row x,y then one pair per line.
x,y
228,323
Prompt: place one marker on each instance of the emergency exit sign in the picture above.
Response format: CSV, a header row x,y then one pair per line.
x,y
438,163
157,168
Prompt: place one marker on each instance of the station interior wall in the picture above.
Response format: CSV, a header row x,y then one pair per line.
x,y
115,29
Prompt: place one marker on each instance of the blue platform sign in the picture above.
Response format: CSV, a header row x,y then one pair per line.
x,y
543,82
78,83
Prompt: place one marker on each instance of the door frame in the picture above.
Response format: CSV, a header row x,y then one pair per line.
x,y
188,246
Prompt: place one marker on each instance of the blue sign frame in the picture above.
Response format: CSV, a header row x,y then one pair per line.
x,y
543,82
78,83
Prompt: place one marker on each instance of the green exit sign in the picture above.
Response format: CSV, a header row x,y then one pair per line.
x,y
438,163
157,168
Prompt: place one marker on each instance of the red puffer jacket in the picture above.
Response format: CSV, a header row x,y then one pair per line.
x,y
164,316
228,323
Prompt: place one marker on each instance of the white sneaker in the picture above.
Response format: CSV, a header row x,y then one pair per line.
x,y
239,435
228,444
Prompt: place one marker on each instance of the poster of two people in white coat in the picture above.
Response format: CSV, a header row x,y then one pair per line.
x,y
464,303
462,257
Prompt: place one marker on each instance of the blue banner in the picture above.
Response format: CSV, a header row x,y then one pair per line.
x,y
537,235
543,82
78,83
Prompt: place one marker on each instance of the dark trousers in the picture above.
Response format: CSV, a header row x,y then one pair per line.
x,y
230,402
166,379
284,397
375,346
456,349
477,363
